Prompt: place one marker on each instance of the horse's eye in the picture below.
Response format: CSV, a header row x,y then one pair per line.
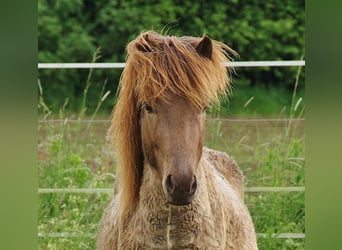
x,y
148,108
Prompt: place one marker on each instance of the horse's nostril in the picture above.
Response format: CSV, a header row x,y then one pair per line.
x,y
170,185
193,186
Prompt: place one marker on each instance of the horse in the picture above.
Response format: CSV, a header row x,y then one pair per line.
x,y
172,192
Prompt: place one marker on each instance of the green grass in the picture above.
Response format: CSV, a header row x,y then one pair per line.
x,y
70,158
260,101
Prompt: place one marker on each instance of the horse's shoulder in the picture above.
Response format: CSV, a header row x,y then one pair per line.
x,y
226,166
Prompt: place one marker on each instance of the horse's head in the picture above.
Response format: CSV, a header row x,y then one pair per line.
x,y
158,120
172,138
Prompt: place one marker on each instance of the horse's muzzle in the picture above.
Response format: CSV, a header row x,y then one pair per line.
x,y
180,191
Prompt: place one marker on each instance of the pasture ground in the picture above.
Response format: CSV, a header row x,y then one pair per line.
x,y
76,155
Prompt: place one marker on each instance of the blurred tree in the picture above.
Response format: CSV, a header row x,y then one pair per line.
x,y
71,31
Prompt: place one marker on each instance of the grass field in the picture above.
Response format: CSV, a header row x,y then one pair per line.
x,y
76,155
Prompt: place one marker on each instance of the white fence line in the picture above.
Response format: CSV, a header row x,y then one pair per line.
x,y
274,189
111,190
75,190
209,119
93,235
67,235
282,235
122,65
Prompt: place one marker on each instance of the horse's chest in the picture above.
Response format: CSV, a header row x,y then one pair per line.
x,y
172,228
183,226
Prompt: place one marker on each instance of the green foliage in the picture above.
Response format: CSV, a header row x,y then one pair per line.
x,y
71,31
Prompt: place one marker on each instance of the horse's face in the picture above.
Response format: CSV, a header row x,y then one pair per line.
x,y
172,140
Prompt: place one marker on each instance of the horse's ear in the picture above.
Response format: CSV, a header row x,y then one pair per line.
x,y
205,47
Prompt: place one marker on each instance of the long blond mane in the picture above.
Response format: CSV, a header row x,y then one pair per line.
x,y
157,65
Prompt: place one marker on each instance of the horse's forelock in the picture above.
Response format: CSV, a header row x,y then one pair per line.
x,y
173,63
